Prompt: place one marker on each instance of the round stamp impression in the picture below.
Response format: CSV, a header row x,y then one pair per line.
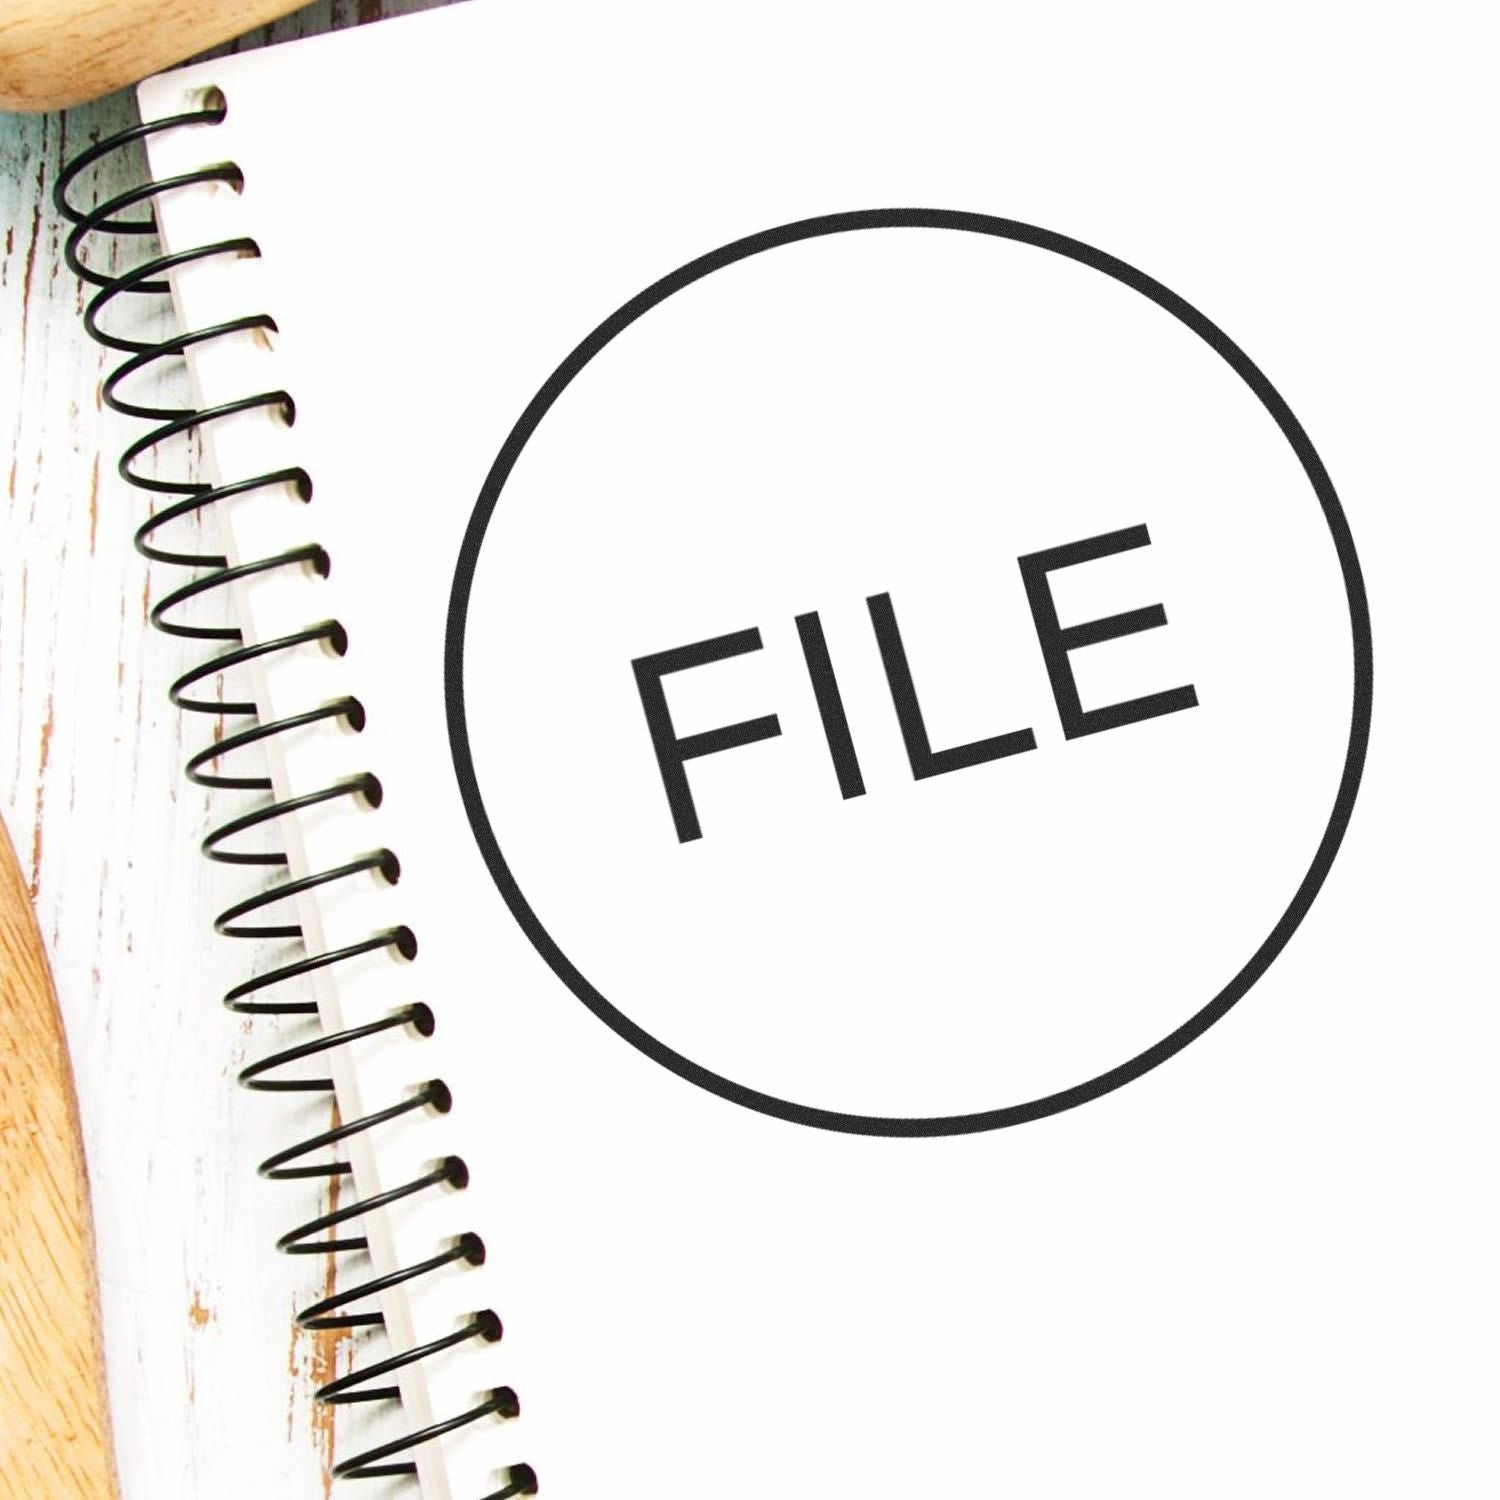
x,y
908,672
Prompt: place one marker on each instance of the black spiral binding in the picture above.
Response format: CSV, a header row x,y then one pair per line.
x,y
323,1234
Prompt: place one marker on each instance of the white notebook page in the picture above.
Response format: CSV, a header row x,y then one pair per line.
x,y
1261,1267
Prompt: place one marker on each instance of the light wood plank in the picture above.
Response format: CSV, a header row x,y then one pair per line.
x,y
54,53
54,1425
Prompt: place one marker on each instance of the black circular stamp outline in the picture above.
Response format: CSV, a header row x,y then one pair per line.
x,y
1216,339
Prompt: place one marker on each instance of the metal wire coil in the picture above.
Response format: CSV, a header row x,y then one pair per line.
x,y
353,1307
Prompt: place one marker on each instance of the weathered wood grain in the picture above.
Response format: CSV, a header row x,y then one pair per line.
x,y
208,1378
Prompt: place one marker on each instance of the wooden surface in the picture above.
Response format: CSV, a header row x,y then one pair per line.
x,y
54,1426
209,1380
59,52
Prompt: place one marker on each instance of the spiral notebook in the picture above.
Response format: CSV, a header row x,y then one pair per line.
x,y
811,579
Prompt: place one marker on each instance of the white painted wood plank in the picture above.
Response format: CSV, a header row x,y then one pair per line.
x,y
210,1382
